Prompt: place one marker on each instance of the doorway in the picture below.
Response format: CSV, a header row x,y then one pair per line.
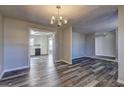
x,y
41,48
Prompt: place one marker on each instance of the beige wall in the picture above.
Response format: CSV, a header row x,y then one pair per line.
x,y
63,48
121,44
83,44
90,45
1,44
67,45
58,45
105,44
78,45
16,43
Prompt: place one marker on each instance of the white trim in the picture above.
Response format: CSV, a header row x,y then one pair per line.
x,y
63,61
13,76
67,62
1,75
106,55
103,59
120,81
29,30
78,57
58,60
18,68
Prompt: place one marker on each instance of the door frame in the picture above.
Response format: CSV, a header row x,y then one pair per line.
x,y
40,30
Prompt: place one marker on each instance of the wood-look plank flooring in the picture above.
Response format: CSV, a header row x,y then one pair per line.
x,y
85,72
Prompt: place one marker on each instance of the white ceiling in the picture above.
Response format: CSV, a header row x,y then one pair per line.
x,y
82,18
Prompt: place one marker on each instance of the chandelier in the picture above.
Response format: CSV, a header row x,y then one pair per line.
x,y
58,20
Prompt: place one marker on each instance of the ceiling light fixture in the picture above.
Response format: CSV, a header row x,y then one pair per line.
x,y
58,20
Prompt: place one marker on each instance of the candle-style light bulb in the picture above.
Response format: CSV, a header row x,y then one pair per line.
x,y
60,18
51,22
53,18
65,21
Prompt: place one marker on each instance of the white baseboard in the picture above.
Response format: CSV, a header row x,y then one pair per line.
x,y
18,68
120,81
103,58
67,62
106,55
9,70
78,57
63,61
1,75
5,78
58,60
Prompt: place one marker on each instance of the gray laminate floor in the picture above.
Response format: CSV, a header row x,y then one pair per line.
x,y
85,72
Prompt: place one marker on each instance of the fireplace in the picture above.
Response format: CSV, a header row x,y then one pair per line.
x,y
37,51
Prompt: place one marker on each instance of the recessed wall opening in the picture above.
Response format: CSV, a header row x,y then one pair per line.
x,y
105,45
